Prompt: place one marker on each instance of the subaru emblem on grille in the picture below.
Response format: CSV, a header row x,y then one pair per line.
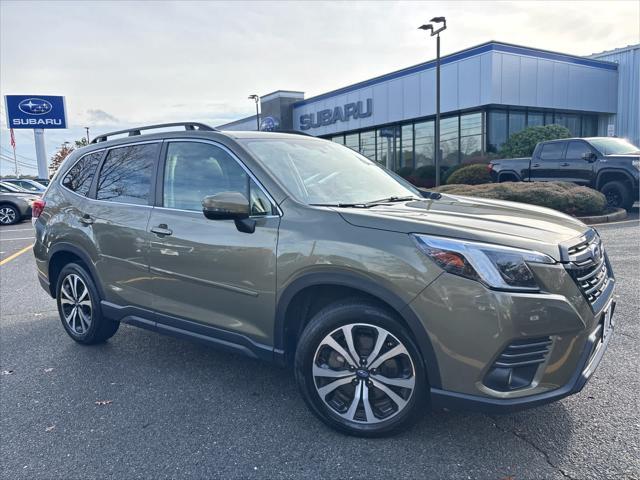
x,y
595,252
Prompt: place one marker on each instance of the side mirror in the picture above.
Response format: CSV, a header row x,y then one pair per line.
x,y
225,206
589,157
229,206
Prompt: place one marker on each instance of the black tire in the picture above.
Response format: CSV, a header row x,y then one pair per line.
x,y
87,325
618,195
369,318
9,214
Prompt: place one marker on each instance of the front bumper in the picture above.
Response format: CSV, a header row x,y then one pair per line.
x,y
589,361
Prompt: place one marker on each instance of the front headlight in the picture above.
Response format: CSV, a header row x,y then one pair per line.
x,y
499,267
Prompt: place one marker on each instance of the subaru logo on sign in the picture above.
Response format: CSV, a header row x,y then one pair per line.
x,y
269,124
35,106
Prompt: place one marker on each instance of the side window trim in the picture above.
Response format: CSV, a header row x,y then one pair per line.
x,y
159,190
94,185
95,175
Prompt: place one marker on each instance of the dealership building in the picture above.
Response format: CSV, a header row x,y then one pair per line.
x,y
488,92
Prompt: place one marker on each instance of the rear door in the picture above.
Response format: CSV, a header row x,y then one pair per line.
x,y
207,271
574,168
116,218
545,165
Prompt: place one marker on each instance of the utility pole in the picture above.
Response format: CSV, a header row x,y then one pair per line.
x,y
87,129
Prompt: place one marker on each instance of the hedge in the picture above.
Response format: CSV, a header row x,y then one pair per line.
x,y
473,174
563,196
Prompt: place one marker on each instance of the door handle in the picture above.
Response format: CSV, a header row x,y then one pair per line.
x,y
564,164
535,165
162,230
86,219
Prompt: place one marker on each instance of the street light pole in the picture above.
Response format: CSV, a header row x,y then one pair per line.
x,y
429,27
87,129
256,99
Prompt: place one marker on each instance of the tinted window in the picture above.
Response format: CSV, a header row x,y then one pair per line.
x,y
126,174
552,151
196,170
4,189
575,150
79,177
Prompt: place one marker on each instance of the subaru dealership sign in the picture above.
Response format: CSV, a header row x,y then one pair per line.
x,y
35,111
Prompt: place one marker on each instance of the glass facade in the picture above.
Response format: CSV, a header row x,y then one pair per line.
x,y
465,137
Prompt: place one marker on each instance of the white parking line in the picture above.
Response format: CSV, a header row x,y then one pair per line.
x,y
22,238
17,230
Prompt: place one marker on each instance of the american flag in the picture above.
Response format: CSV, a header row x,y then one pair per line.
x,y
13,139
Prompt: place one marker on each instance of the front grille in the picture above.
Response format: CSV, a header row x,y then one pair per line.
x,y
589,268
524,352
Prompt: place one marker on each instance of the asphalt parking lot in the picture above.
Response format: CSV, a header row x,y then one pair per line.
x,y
176,409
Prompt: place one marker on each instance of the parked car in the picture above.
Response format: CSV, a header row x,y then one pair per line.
x,y
15,204
300,251
607,164
43,181
26,184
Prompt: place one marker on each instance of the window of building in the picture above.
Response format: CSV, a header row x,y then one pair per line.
x,y
497,130
517,122
548,118
424,134
352,141
449,136
589,126
535,119
79,177
125,176
368,144
388,142
470,135
406,155
552,151
338,139
569,120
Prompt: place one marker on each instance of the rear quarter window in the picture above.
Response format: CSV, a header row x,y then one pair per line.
x,y
126,174
79,177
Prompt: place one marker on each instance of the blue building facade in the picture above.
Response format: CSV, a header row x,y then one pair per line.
x,y
489,92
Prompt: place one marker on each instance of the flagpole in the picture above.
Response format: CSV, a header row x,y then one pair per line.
x,y
13,144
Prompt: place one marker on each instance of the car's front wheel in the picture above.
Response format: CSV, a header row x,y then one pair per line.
x,y
359,370
79,307
617,195
9,215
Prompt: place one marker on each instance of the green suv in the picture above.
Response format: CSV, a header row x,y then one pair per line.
x,y
383,299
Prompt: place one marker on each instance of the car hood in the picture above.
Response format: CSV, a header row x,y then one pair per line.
x,y
492,221
629,156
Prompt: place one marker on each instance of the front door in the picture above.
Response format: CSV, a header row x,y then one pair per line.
x,y
545,165
208,271
574,168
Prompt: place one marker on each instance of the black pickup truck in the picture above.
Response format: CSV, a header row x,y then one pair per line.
x,y
607,164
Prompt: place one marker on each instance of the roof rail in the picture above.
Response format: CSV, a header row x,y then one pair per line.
x,y
137,131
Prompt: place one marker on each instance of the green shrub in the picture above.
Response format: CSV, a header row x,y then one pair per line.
x,y
565,197
473,174
405,171
523,143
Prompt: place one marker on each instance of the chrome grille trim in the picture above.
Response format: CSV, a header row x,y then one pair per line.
x,y
587,264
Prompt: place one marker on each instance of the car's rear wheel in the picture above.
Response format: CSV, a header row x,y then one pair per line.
x,y
9,215
359,370
617,195
79,307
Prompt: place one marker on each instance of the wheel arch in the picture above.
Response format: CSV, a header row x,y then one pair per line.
x,y
508,174
613,175
64,253
295,307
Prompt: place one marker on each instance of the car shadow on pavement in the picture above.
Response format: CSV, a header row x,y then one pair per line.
x,y
164,391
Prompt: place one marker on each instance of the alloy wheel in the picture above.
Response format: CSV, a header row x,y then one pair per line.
x,y
363,373
75,301
7,215
613,198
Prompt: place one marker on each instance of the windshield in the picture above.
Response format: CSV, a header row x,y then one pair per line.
x,y
614,146
320,172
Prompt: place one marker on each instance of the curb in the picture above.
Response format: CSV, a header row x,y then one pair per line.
x,y
619,214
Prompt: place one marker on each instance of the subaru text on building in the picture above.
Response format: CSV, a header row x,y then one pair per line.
x,y
296,250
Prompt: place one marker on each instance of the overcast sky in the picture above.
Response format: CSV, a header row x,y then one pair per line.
x,y
124,63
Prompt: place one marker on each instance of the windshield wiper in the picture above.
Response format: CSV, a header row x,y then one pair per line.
x,y
368,204
342,205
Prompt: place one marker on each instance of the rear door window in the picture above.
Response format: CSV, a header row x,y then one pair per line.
x,y
552,151
126,174
79,177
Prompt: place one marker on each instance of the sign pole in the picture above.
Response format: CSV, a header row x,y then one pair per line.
x,y
41,153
